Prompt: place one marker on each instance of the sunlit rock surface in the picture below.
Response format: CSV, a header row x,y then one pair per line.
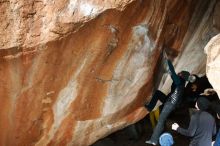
x,y
74,71
213,62
212,50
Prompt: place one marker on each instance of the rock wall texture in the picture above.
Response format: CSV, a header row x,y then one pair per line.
x,y
212,50
204,24
74,71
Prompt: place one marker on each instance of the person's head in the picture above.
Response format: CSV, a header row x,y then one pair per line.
x,y
184,75
202,103
166,139
193,82
192,78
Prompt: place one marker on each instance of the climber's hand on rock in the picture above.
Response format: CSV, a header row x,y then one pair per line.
x,y
175,126
165,55
166,67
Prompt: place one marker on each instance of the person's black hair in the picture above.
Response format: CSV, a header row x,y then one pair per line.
x,y
203,103
184,74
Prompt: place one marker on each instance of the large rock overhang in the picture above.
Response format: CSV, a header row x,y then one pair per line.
x,y
74,71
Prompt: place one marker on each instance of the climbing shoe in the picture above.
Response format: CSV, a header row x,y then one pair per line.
x,y
150,142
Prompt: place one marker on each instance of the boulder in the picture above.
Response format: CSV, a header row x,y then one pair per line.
x,y
74,71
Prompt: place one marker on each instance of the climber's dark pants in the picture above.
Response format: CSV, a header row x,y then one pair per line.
x,y
167,109
158,95
174,99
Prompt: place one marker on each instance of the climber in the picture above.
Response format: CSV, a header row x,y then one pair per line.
x,y
202,125
158,95
170,101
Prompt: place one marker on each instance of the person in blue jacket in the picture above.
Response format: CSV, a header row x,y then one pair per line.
x,y
170,101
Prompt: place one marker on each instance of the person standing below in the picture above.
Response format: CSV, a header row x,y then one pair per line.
x,y
202,125
171,101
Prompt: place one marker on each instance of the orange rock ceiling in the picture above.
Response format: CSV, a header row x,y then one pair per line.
x,y
74,71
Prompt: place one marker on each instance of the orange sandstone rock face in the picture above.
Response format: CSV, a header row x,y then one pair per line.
x,y
74,71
